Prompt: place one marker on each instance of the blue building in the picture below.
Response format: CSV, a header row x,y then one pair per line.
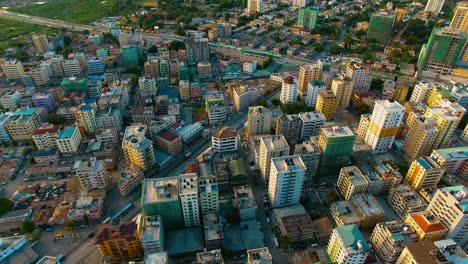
x,y
45,100
95,66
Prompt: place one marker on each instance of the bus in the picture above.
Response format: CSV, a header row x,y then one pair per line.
x,y
106,220
123,211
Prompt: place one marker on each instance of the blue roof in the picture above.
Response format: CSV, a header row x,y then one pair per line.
x,y
25,111
66,132
170,93
350,235
454,189
89,101
46,152
423,163
188,240
86,108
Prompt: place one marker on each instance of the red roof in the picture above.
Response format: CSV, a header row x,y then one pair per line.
x,y
289,80
176,125
48,129
225,132
169,136
426,226
191,168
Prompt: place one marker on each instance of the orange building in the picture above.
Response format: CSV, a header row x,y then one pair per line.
x,y
119,243
426,225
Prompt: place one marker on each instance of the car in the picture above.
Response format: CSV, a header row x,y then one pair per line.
x,y
50,229
3,183
91,235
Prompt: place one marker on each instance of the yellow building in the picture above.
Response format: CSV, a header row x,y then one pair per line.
x,y
437,95
184,90
420,253
424,173
343,90
119,243
400,15
421,136
460,17
446,116
307,73
351,182
258,121
137,149
327,104
401,91
426,226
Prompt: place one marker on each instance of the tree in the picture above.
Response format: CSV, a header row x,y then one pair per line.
x,y
5,204
276,102
27,227
364,109
133,69
56,119
85,32
176,45
69,223
376,84
67,51
262,103
335,49
152,49
86,219
67,41
22,56
227,16
318,47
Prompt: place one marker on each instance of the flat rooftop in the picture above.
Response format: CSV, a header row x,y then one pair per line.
x,y
452,153
160,190
354,175
67,132
259,256
210,257
336,131
245,197
306,148
157,258
284,164
345,211
367,204
312,116
212,227
150,227
188,183
274,142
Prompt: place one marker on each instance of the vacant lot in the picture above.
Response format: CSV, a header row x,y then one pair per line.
x,y
14,30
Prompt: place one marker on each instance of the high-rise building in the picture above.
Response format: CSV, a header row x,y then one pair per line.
x,y
310,155
315,87
405,200
348,245
336,144
5,137
254,6
421,92
92,174
422,252
23,123
160,196
259,256
351,182
426,225
258,121
244,201
209,194
197,47
10,100
307,73
152,68
290,126
71,67
271,147
307,17
327,104
120,243
401,91
384,124
151,231
450,205
86,117
137,149
69,140
359,74
40,43
311,124
421,136
45,136
289,90
443,49
437,95
424,173
434,6
343,90
130,178
225,140
44,100
452,159
40,76
188,193
286,180
95,66
446,116
460,17
147,86
369,210
130,55
381,26
12,69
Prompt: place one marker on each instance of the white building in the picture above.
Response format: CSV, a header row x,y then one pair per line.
x,y
45,136
254,6
10,100
348,246
69,140
315,87
209,194
421,92
286,180
271,147
12,69
225,140
71,67
311,124
40,76
249,67
188,193
434,6
40,43
92,174
289,90
147,86
360,76
300,3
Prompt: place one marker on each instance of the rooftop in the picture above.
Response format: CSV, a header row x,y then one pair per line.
x,y
210,257
149,228
367,204
125,230
428,163
160,190
25,111
67,132
453,153
245,198
225,132
169,136
259,256
288,163
423,252
352,237
188,184
312,116
208,184
274,142
452,251
46,128
213,228
354,175
345,211
460,193
289,80
428,222
336,131
401,232
159,258
306,148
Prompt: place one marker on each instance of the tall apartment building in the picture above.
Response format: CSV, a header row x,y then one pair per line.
x,y
197,47
348,245
307,17
184,90
259,256
130,178
311,124
450,205
151,231
258,121
290,126
45,100
164,67
343,90
23,123
137,149
254,6
12,69
286,180
434,6
40,43
10,100
360,77
307,73
147,87
209,194
390,238
404,200
310,155
225,140
460,17
424,173
447,116
336,144
5,118
452,159
68,140
271,147
369,210
169,142
383,125
426,226
92,174
381,26
71,67
188,193
45,136
40,76
289,90
95,66
363,125
245,203
327,104
351,182
160,196
130,55
56,66
421,136
313,90
421,92
120,243
152,68
86,117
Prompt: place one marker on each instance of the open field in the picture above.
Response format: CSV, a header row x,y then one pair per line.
x,y
14,30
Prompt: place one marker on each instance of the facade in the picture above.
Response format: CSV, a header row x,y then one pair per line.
x,y
421,136
4,135
209,257
119,243
68,140
209,194
188,193
86,117
254,6
426,226
258,121
434,6
40,43
290,126
307,73
424,173
40,76
336,144
307,17
383,125
243,96
311,124
404,200
138,150
130,55
12,69
95,66
460,17
343,90
446,117
360,77
351,182
197,47
245,203
421,92
369,210
289,90
151,231
286,180
71,67
452,159
249,67
348,245
313,90
381,26
10,100
216,109
327,104
422,252
169,142
45,136
310,155
147,87
225,140
271,147
23,123
130,178
92,174
45,100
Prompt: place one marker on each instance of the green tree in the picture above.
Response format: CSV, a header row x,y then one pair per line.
x,y
27,227
133,69
85,32
335,49
22,56
176,45
276,102
56,119
86,219
67,40
318,47
67,51
376,84
5,204
152,49
69,223
227,16
262,103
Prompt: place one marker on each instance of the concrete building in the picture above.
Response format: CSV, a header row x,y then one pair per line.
x,y
421,136
95,66
271,147
343,90
40,76
254,6
68,140
243,96
307,16
197,47
434,6
424,173
453,199
45,100
23,123
363,125
351,181
188,193
86,117
152,68
460,17
451,250
92,174
311,124
423,252
169,142
137,149
40,43
12,69
426,226
151,231
344,213
71,67
360,77
45,136
225,140
383,125
289,90
310,156
289,218
259,256
147,87
5,118
213,231
210,257
447,116
381,26
452,159
290,126
10,100
327,104
313,90
369,210
336,144
348,245
160,196
286,180
307,73
404,200
204,69
249,67
120,243
244,201
209,194
390,238
421,92
258,121
130,55
216,109
130,178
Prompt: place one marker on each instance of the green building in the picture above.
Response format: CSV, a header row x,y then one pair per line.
x,y
130,56
164,68
307,17
183,72
443,49
161,197
380,26
238,172
103,53
336,144
74,83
